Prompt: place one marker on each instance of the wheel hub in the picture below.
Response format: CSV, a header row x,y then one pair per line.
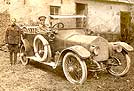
x,y
71,69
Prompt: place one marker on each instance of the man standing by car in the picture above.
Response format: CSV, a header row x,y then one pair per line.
x,y
13,39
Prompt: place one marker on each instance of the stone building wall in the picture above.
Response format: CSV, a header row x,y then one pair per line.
x,y
104,16
4,22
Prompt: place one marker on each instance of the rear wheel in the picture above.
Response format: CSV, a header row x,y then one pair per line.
x,y
120,64
23,58
74,68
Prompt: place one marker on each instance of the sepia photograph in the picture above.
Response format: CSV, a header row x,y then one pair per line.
x,y
66,45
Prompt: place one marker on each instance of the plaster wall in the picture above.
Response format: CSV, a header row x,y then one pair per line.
x,y
104,16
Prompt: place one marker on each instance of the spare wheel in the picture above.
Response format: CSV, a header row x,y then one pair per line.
x,y
41,46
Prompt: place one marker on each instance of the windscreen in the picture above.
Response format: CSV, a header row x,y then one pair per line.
x,y
68,23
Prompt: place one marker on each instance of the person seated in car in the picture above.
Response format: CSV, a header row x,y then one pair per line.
x,y
42,24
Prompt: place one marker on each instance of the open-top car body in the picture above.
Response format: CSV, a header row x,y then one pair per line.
x,y
73,49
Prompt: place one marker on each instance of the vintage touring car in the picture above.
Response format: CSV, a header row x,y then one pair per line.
x,y
74,49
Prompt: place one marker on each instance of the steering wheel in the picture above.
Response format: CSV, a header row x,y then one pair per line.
x,y
58,25
51,35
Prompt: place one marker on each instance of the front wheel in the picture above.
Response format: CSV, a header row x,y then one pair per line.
x,y
74,68
120,64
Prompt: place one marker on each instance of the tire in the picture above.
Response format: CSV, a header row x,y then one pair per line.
x,y
71,70
41,47
23,58
126,63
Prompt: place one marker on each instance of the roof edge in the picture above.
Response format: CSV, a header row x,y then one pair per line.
x,y
115,1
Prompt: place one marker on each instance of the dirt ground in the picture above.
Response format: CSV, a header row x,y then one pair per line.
x,y
39,77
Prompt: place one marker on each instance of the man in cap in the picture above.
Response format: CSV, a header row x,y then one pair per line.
x,y
42,24
13,39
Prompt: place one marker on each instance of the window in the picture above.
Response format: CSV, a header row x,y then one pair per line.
x,y
24,2
54,10
7,2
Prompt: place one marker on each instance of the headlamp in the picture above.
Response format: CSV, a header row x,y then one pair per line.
x,y
94,49
117,47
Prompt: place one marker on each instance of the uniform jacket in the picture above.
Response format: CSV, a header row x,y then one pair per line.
x,y
13,35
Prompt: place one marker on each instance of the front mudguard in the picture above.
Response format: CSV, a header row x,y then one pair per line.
x,y
119,46
82,52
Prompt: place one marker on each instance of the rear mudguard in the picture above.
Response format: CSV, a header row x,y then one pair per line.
x,y
123,45
82,52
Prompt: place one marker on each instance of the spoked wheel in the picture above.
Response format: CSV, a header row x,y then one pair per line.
x,y
23,58
120,64
74,68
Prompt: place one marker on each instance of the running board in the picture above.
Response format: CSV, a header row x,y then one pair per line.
x,y
52,64
34,58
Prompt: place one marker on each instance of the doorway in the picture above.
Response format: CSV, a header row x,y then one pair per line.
x,y
81,9
125,21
